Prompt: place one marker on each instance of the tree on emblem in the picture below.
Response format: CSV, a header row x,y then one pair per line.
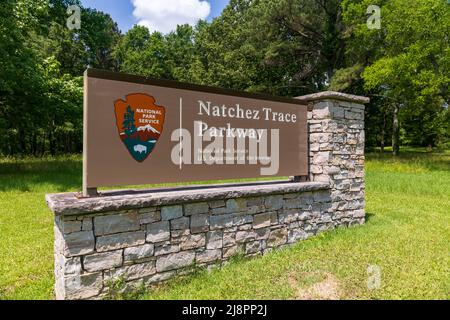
x,y
128,122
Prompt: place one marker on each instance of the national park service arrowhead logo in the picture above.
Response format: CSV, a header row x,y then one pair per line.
x,y
140,123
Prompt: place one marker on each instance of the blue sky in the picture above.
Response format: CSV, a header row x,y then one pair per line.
x,y
161,15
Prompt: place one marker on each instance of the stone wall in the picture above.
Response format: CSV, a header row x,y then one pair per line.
x,y
145,237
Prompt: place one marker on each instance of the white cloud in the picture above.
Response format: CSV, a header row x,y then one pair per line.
x,y
165,15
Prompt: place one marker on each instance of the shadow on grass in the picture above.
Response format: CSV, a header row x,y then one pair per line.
x,y
64,174
369,216
429,160
50,175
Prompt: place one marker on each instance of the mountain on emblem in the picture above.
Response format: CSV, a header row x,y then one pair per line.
x,y
140,123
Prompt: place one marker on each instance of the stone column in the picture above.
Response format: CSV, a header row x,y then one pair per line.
x,y
336,151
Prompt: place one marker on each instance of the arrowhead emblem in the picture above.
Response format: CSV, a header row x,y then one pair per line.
x,y
140,123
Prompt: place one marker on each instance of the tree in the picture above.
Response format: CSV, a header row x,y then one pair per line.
x,y
40,107
409,62
128,122
77,49
180,48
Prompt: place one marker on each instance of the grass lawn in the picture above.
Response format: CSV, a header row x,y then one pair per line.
x,y
407,236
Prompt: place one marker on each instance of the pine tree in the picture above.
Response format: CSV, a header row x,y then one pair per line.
x,y
128,122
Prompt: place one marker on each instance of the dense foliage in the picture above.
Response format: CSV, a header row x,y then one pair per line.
x,y
282,47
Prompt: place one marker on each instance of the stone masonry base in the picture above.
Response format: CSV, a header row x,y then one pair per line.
x,y
152,244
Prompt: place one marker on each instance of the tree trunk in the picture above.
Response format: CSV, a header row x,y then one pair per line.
x,y
383,134
51,142
34,144
395,132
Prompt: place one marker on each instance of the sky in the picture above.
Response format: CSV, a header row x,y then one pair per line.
x,y
158,15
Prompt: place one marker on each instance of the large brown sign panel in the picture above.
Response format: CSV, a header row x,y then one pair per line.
x,y
141,131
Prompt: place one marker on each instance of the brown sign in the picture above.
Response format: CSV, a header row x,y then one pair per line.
x,y
141,131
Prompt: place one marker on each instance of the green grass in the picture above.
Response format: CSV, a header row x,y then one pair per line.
x,y
407,235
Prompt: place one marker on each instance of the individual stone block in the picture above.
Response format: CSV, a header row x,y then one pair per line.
x,y
262,234
240,220
79,243
120,240
83,286
139,252
294,225
130,286
229,239
132,272
304,215
342,184
295,235
321,158
314,147
326,147
158,231
220,210
244,236
255,201
325,217
231,251
320,137
277,237
175,261
253,247
146,217
71,265
310,227
216,204
220,222
256,209
147,210
193,241
321,110
359,213
337,112
244,227
171,212
288,216
236,205
306,198
86,224
324,227
355,205
231,229
180,223
115,223
273,218
292,203
199,223
159,277
196,208
354,115
166,249
102,261
214,240
176,234
261,220
274,202
322,196
208,256
71,226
